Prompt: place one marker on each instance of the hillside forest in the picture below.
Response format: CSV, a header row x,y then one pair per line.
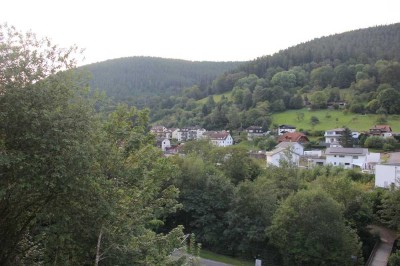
x,y
82,183
359,68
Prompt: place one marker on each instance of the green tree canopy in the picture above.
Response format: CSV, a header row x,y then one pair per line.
x,y
309,229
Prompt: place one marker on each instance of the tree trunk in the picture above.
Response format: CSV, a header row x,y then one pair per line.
x,y
96,263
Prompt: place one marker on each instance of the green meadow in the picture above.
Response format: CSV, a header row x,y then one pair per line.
x,y
217,98
330,119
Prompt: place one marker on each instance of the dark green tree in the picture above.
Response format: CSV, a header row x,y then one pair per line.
x,y
346,140
309,229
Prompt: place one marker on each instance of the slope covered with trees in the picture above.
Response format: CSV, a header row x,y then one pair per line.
x,y
360,68
137,79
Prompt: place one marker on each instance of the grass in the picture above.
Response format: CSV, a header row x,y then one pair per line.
x,y
217,98
205,254
330,119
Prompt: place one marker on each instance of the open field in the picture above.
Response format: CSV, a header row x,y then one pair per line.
x,y
217,98
330,119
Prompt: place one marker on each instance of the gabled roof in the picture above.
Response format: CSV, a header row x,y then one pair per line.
x,y
293,137
382,128
217,135
254,128
287,127
285,144
346,151
275,151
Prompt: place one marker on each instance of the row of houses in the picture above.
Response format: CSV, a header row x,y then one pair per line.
x,y
164,136
387,175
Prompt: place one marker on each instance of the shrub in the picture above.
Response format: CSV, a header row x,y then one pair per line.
x,y
374,142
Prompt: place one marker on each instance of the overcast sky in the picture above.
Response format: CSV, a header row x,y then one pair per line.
x,y
201,30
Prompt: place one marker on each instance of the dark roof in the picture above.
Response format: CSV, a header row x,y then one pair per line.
x,y
287,127
254,127
346,151
217,135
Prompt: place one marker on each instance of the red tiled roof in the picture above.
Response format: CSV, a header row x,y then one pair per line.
x,y
293,137
383,128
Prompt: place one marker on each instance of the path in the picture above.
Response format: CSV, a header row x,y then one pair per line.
x,y
382,251
203,262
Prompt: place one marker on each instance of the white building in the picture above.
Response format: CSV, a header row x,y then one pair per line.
x,y
332,137
347,157
163,143
219,138
190,133
292,146
286,152
282,129
387,175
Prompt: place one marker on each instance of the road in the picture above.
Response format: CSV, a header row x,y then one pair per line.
x,y
384,248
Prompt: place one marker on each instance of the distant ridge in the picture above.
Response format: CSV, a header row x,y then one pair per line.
x,y
140,76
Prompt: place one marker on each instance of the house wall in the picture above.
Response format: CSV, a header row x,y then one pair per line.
x,y
277,157
346,161
385,175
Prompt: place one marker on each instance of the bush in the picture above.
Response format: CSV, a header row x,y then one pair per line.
x,y
374,142
357,108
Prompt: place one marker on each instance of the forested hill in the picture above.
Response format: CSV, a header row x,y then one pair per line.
x,y
143,76
360,68
362,46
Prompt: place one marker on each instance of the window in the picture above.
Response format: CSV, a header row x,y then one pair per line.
x,y
346,164
341,156
355,157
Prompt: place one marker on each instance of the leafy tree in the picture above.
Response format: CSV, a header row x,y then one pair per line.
x,y
296,102
322,76
73,190
284,79
374,142
250,213
390,210
314,120
205,196
309,229
318,100
346,140
390,100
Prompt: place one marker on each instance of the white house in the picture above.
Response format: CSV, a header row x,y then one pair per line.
x,y
282,129
292,146
163,143
332,137
219,138
285,152
387,175
174,133
190,133
347,157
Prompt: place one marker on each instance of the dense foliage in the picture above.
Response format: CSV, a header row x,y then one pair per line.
x,y
138,80
76,187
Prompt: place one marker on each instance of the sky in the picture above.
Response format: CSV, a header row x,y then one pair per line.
x,y
197,30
